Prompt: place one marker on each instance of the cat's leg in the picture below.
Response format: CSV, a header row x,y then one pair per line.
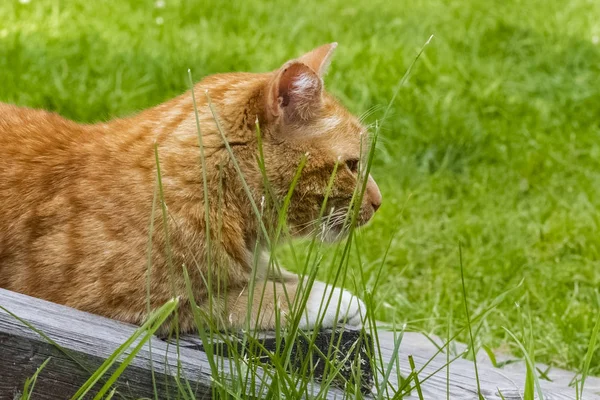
x,y
272,303
331,304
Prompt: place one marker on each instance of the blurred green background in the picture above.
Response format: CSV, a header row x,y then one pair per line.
x,y
494,141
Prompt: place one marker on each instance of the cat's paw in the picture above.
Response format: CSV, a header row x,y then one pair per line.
x,y
343,307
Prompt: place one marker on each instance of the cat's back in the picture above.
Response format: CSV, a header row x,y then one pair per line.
x,y
34,145
25,131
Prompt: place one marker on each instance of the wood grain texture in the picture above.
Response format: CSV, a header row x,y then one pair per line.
x,y
90,339
463,384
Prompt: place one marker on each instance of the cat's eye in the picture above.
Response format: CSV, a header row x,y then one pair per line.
x,y
352,165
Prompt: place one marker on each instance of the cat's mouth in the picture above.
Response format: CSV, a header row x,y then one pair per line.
x,y
338,223
335,233
330,228
334,222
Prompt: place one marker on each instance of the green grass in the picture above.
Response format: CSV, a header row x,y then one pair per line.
x,y
493,141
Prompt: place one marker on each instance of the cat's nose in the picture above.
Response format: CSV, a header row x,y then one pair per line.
x,y
374,194
376,205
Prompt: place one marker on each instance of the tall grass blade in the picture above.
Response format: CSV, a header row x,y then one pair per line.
x,y
148,276
531,375
464,292
590,353
30,382
415,375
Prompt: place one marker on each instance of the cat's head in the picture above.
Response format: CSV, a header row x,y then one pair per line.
x,y
302,120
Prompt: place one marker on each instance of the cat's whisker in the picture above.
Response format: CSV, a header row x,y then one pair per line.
x,y
370,112
307,224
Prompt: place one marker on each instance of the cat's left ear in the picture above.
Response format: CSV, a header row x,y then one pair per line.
x,y
319,59
295,93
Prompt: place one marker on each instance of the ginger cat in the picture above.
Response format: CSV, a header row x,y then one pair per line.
x,y
76,199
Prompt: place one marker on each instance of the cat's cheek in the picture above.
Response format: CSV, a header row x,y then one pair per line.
x,y
328,305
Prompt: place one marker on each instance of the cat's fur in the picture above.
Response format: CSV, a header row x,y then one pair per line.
x,y
76,199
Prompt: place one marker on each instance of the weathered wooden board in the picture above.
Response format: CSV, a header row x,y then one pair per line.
x,y
463,385
90,339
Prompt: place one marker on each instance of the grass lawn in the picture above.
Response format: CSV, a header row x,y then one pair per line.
x,y
493,142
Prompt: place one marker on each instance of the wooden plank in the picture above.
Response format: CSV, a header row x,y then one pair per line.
x,y
463,384
516,366
91,339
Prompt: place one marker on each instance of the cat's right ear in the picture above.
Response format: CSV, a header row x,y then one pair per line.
x,y
295,93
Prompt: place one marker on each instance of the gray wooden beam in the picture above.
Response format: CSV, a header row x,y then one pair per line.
x,y
90,339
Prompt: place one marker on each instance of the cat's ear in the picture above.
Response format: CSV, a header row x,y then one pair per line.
x,y
295,93
320,58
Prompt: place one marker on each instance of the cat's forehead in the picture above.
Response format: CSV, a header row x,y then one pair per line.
x,y
335,133
341,132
